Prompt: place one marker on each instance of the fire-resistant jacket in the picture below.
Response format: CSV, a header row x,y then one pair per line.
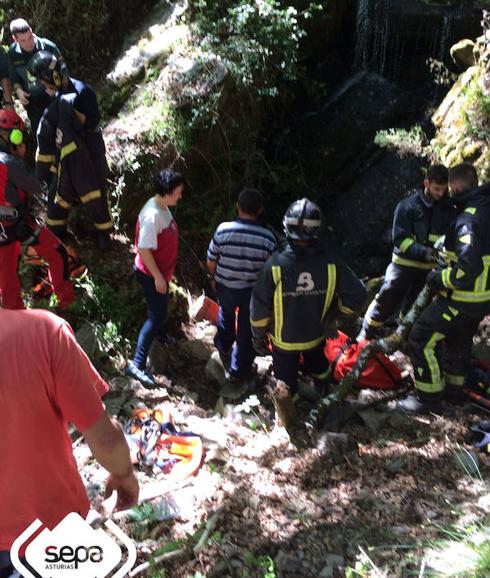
x,y
299,289
417,225
466,280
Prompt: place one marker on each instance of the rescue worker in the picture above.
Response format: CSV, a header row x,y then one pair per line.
x,y
419,221
70,146
5,84
441,339
25,45
300,292
18,226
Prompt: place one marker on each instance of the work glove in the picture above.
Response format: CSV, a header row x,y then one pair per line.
x,y
259,341
430,256
434,281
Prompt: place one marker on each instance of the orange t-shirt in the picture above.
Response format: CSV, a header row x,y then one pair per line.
x,y
46,381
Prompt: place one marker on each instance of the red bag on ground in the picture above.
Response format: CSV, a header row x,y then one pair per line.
x,y
380,373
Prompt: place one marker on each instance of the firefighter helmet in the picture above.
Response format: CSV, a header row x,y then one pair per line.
x,y
303,220
11,121
45,66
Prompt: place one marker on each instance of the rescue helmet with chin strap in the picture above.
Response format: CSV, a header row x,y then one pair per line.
x,y
44,65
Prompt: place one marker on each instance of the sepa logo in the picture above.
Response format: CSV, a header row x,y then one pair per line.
x,y
73,549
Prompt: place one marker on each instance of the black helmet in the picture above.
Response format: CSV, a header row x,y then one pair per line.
x,y
303,220
45,66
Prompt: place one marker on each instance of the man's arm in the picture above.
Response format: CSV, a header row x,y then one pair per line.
x,y
404,235
149,261
19,175
108,445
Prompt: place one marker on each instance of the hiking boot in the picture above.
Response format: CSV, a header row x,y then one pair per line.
x,y
421,403
144,377
103,240
308,391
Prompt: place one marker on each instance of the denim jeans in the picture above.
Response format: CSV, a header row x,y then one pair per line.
x,y
156,304
235,329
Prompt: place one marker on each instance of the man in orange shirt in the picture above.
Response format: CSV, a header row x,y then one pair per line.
x,y
46,381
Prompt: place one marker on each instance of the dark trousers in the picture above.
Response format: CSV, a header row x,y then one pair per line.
x,y
234,330
398,292
440,345
156,304
286,365
7,570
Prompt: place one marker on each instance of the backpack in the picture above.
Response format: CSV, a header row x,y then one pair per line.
x,y
342,354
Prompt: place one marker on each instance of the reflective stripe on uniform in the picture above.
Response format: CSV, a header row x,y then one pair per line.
x,y
332,282
40,158
56,222
409,263
260,322
453,379
87,197
343,309
372,322
446,278
68,149
104,226
296,346
406,243
61,202
437,383
433,238
278,311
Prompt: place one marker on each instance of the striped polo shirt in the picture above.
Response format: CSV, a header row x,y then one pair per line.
x,y
240,248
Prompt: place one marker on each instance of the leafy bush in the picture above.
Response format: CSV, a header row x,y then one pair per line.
x,y
404,142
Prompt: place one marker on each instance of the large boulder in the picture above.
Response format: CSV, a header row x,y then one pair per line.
x,y
463,54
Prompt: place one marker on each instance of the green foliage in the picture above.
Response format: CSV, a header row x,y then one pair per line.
x,y
262,566
404,142
476,113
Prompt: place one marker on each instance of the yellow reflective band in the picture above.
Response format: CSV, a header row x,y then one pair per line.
x,y
68,149
433,238
260,322
447,317
434,369
470,296
428,387
296,346
409,263
465,239
61,202
45,158
450,255
332,283
104,226
53,169
460,273
452,379
453,311
343,309
405,244
323,375
373,323
278,313
56,222
446,278
92,195
470,210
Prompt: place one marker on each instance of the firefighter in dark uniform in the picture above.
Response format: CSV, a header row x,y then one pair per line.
x,y
71,151
301,290
419,221
24,46
441,339
17,226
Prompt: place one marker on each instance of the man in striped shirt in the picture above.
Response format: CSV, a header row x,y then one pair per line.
x,y
235,257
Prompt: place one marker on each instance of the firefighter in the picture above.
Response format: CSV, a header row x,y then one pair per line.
x,y
419,221
301,290
441,339
24,46
71,147
17,226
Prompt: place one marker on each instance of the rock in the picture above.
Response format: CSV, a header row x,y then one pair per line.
x,y
333,564
375,420
334,444
214,369
158,358
287,563
254,502
196,349
87,339
462,53
395,465
210,430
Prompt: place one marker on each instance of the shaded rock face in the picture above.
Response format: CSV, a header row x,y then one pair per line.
x,y
395,38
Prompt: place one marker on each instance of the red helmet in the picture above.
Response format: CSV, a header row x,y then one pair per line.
x,y
10,120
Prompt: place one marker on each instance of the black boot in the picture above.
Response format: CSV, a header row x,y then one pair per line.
x,y
421,402
455,395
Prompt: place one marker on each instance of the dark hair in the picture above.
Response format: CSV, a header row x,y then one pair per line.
x,y
437,174
464,173
19,26
250,201
166,180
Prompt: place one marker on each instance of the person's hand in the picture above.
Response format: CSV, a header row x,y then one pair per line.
x,y
434,281
23,96
127,489
160,284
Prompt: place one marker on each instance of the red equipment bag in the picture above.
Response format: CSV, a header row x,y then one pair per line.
x,y
380,373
